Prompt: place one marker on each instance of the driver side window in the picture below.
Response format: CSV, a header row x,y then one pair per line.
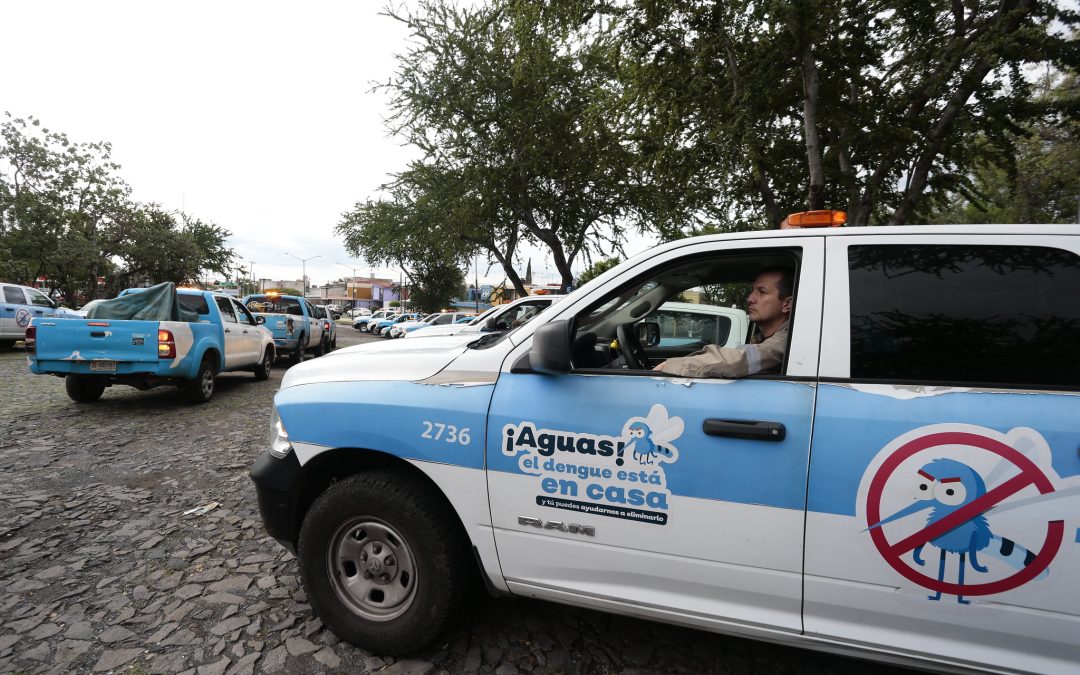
x,y
693,311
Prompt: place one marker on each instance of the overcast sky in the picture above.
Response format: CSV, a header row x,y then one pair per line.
x,y
257,116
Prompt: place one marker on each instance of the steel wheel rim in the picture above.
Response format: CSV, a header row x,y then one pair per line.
x,y
371,568
207,383
268,363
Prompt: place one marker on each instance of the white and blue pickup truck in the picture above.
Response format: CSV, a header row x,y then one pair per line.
x,y
296,325
903,485
94,353
20,304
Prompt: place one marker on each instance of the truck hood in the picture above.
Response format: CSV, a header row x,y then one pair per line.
x,y
397,360
442,331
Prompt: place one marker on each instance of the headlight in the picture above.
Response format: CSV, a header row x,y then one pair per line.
x,y
280,446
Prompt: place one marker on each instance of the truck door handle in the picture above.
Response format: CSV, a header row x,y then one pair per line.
x,y
754,430
227,330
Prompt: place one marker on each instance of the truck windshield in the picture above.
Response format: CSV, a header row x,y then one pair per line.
x,y
272,304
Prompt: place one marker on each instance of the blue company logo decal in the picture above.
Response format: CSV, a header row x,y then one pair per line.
x,y
618,476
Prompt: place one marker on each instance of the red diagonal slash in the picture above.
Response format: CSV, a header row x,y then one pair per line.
x,y
963,514
1029,474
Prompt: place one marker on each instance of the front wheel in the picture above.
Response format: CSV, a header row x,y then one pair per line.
x,y
84,388
383,564
7,344
320,349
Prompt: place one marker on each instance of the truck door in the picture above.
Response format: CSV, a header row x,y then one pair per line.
x,y
672,496
315,329
14,314
249,329
944,478
234,337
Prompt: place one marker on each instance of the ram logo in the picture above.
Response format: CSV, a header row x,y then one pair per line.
x,y
570,528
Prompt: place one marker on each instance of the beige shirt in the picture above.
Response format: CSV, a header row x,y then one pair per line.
x,y
716,361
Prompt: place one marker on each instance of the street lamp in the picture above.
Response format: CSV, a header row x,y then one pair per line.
x,y
352,279
303,268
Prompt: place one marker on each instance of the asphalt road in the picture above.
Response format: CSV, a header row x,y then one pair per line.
x,y
104,567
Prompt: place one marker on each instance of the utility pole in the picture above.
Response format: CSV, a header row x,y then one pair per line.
x,y
303,269
476,283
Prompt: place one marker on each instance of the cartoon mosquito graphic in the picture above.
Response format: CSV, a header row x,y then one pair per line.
x,y
944,486
650,437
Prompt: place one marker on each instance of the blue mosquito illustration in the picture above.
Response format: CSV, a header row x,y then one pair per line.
x,y
650,437
946,485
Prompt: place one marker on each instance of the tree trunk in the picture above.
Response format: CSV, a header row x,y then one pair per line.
x,y
816,196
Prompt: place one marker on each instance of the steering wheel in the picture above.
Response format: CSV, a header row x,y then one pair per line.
x,y
630,347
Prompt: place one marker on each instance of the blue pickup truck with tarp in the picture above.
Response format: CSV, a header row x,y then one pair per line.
x,y
150,337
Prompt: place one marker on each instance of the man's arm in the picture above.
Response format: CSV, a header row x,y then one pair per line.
x,y
730,362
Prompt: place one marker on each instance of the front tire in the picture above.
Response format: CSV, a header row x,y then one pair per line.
x,y
7,344
383,564
262,371
84,388
201,389
321,348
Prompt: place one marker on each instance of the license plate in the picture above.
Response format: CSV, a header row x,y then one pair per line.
x,y
103,366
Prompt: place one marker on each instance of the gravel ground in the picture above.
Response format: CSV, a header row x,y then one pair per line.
x,y
103,568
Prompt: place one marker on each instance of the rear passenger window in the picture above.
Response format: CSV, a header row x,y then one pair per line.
x,y
195,303
14,295
1006,315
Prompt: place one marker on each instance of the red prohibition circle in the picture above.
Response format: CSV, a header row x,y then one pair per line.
x,y
22,317
1029,475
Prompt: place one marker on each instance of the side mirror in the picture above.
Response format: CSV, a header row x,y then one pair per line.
x,y
489,325
648,333
550,351
260,319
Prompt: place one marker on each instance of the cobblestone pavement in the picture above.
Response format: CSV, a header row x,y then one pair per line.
x,y
103,568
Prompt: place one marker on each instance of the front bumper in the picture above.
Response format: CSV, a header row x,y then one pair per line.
x,y
277,485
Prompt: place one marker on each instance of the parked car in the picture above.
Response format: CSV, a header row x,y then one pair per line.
x,y
20,304
437,319
329,328
377,328
496,319
901,486
362,322
293,322
331,311
357,312
199,335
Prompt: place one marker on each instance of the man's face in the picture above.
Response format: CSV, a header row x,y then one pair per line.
x,y
765,305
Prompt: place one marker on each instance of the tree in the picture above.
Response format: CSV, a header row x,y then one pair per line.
x,y
409,231
748,111
1039,182
517,101
596,269
67,215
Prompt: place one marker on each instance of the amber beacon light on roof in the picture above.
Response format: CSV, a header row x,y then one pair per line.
x,y
814,219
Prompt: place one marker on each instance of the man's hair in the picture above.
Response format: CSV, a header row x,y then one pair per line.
x,y
786,285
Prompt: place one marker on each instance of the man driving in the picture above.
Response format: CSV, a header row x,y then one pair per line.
x,y
769,306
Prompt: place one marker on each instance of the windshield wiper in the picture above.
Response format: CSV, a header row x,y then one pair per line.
x,y
486,341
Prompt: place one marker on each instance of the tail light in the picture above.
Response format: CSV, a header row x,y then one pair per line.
x,y
166,345
326,325
31,339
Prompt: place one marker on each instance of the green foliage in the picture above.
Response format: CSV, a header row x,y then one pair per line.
x,y
514,105
748,111
66,214
409,231
596,269
1038,183
394,303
